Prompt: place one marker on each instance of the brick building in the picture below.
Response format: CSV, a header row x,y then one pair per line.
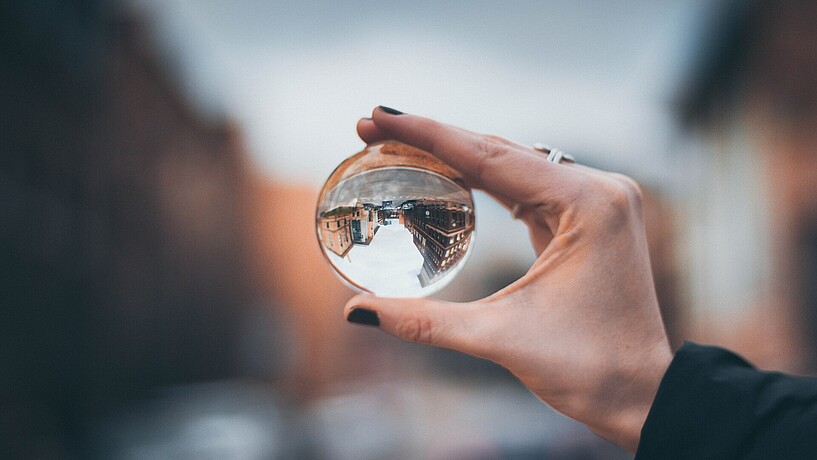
x,y
123,264
335,228
345,226
442,232
750,174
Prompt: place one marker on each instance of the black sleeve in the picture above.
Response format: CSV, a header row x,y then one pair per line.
x,y
712,404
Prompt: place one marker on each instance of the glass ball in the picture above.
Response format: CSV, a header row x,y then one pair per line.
x,y
395,221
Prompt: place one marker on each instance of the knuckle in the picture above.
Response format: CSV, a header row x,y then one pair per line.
x,y
496,139
434,133
617,201
631,187
416,329
488,329
492,150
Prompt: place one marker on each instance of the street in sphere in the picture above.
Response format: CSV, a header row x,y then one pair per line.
x,y
395,221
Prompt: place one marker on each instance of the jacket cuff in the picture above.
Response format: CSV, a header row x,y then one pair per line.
x,y
698,408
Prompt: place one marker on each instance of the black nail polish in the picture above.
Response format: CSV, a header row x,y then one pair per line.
x,y
363,316
390,110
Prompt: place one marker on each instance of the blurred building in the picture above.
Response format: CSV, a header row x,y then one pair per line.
x,y
293,274
750,182
123,258
133,240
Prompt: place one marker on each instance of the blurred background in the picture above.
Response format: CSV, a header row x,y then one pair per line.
x,y
162,290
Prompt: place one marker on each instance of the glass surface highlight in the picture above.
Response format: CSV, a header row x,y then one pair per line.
x,y
395,221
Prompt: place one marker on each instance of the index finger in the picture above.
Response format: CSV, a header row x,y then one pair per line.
x,y
490,163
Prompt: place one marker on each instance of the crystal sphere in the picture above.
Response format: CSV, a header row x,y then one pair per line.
x,y
395,221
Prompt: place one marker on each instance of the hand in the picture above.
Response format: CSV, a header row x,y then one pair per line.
x,y
581,329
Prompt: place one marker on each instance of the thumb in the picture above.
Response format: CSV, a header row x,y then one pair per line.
x,y
427,321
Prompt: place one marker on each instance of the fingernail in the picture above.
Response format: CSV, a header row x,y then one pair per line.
x,y
363,316
390,110
366,118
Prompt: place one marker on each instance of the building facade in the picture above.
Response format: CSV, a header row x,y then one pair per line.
x,y
124,261
343,227
442,232
750,185
336,230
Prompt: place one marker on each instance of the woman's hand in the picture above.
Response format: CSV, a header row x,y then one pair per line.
x,y
581,329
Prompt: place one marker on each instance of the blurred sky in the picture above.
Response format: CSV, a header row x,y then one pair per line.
x,y
589,76
595,77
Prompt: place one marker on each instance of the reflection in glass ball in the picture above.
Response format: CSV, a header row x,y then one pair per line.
x,y
395,221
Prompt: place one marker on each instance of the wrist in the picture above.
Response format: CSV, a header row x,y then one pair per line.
x,y
627,396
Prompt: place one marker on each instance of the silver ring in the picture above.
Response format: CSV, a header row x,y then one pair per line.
x,y
554,155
